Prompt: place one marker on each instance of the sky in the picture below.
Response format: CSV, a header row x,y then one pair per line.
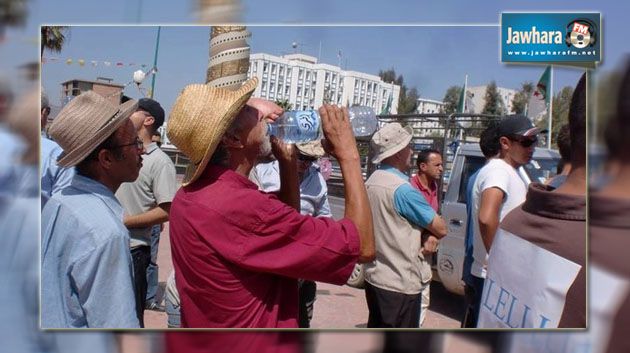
x,y
454,40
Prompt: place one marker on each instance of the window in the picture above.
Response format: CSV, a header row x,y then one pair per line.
x,y
471,165
265,67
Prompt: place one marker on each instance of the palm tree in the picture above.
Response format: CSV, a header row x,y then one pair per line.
x,y
12,13
53,38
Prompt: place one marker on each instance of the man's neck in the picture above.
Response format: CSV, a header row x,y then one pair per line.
x,y
424,180
619,187
575,183
145,135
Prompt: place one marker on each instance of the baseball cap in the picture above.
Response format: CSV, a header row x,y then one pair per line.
x,y
154,108
518,125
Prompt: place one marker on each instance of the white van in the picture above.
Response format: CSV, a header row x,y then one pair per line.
x,y
468,159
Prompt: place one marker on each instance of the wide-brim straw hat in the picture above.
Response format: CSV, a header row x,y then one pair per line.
x,y
200,117
389,140
312,149
84,123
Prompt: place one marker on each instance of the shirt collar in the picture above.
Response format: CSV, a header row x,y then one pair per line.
x,y
431,189
606,211
98,189
152,147
389,168
542,201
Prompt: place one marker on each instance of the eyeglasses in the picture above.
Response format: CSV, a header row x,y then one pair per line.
x,y
525,142
138,143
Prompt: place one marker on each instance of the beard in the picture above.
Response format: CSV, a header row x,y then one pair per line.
x,y
265,153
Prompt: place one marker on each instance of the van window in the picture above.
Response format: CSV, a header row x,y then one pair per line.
x,y
471,165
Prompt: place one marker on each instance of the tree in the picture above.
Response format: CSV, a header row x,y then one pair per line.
x,y
408,98
53,38
494,103
451,99
12,13
522,97
560,111
284,104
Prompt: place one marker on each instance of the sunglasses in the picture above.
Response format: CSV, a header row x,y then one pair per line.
x,y
138,143
525,142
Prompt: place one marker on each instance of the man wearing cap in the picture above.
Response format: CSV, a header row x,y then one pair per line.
x,y
53,177
313,202
238,252
147,202
87,278
498,189
539,252
401,213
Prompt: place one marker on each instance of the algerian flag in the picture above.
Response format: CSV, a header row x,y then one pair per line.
x,y
389,103
539,100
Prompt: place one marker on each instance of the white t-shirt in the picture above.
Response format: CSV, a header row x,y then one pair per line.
x,y
496,173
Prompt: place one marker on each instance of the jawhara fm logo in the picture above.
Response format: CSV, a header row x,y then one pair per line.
x,y
581,33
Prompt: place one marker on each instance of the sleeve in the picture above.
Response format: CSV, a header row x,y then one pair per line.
x,y
165,183
499,178
411,205
278,239
322,207
100,273
62,179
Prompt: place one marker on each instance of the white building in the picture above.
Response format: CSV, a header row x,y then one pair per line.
x,y
307,84
428,127
429,106
479,98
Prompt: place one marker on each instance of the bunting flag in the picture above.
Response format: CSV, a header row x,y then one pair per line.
x,y
69,61
94,63
539,100
81,62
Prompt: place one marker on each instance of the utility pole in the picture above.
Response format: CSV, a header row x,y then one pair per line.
x,y
157,47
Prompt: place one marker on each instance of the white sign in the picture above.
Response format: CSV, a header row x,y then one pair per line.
x,y
526,285
606,296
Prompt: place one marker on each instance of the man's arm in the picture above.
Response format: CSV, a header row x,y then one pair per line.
x,y
341,144
286,154
489,210
147,219
412,206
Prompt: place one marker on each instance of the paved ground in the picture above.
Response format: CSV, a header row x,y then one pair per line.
x,y
336,306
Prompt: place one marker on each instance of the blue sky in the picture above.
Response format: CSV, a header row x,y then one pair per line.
x,y
430,58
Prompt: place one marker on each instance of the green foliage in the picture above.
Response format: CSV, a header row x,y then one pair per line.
x,y
408,98
522,97
284,104
451,99
53,38
559,113
494,104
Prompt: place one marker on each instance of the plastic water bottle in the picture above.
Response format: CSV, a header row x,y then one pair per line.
x,y
297,126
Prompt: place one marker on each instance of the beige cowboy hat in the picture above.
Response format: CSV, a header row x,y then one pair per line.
x,y
311,149
200,117
388,140
84,123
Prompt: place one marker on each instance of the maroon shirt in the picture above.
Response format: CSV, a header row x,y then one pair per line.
x,y
430,194
241,342
238,253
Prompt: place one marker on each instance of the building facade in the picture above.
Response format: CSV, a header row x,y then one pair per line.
x,y
103,86
478,100
306,84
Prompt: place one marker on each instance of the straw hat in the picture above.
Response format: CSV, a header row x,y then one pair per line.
x,y
84,123
311,149
199,118
390,139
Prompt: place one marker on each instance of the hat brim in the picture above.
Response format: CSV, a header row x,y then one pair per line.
x,y
396,148
77,155
312,149
532,132
193,171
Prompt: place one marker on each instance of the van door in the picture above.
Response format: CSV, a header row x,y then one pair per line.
x,y
451,253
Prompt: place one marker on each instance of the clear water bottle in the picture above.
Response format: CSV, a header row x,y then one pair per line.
x,y
297,126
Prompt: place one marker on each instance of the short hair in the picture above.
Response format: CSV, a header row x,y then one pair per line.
x,y
564,142
489,141
423,155
577,123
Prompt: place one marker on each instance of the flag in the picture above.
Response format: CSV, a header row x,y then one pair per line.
x,y
388,106
540,98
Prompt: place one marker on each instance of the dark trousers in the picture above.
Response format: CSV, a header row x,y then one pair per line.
x,y
392,309
472,295
141,257
307,291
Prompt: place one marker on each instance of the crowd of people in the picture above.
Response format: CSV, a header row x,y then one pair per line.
x,y
251,229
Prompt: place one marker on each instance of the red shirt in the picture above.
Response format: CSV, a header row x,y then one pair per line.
x,y
238,253
430,194
238,342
